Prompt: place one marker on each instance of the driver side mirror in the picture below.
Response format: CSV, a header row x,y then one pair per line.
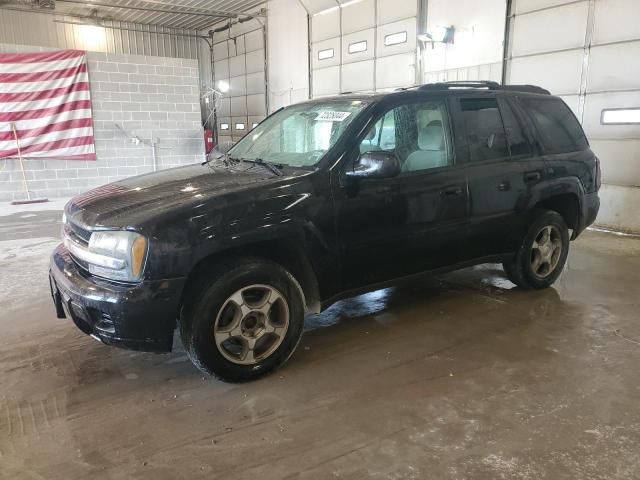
x,y
375,164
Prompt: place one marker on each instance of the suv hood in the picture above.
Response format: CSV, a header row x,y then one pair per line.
x,y
139,199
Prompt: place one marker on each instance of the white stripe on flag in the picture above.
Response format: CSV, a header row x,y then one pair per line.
x,y
63,152
45,103
49,137
19,87
42,66
41,122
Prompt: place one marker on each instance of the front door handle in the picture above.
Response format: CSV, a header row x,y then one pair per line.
x,y
532,176
504,186
451,191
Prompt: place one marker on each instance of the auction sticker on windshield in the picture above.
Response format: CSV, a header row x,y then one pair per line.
x,y
330,116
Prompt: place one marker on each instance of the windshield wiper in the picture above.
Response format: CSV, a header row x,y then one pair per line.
x,y
227,161
272,167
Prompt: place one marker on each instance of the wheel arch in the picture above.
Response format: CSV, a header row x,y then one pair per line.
x,y
285,252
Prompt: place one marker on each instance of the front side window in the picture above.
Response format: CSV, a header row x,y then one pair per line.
x,y
558,127
417,133
485,132
299,135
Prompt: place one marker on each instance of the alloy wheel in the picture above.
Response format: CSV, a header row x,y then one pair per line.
x,y
546,251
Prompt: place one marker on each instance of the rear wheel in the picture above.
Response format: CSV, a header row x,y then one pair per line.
x,y
245,321
543,253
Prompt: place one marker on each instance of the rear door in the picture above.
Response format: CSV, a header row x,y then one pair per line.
x,y
502,168
416,221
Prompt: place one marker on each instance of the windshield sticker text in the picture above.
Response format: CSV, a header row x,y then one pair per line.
x,y
332,116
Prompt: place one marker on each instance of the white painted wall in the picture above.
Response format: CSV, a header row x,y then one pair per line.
x,y
476,53
287,53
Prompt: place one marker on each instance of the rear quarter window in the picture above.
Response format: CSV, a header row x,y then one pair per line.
x,y
557,126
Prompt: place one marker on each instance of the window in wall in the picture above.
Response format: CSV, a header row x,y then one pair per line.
x,y
558,127
240,126
357,47
395,38
518,142
416,133
620,116
254,125
224,126
485,132
325,54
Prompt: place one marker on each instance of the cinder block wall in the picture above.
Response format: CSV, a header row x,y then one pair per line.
x,y
149,97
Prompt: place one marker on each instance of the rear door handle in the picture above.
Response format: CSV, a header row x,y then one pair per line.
x,y
452,190
504,186
532,176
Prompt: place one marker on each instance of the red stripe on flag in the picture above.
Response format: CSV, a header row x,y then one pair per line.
x,y
43,94
52,127
39,57
44,112
54,145
42,76
85,156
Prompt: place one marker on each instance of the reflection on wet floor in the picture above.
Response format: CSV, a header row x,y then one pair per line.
x,y
459,375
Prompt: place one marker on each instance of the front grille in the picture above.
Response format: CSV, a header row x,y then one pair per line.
x,y
80,233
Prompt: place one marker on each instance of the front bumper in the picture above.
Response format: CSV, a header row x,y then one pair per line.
x,y
138,317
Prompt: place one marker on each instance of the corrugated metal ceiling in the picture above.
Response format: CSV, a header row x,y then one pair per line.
x,y
191,14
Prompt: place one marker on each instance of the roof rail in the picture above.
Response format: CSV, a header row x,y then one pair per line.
x,y
483,84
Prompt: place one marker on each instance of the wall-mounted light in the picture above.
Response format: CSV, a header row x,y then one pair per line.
x,y
223,86
440,34
620,116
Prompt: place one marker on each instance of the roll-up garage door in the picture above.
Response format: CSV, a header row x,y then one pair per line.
x,y
587,52
240,62
363,46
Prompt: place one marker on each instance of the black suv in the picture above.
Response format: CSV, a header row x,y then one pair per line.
x,y
322,200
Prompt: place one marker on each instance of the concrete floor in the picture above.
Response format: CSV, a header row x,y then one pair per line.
x,y
461,376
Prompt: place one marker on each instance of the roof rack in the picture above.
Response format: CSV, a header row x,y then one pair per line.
x,y
483,84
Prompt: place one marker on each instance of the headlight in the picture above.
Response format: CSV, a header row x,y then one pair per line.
x,y
118,255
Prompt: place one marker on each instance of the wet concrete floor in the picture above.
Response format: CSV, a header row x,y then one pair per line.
x,y
460,376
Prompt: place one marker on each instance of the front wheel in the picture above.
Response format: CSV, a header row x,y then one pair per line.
x,y
245,321
542,254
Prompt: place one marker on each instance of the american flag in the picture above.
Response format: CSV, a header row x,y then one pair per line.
x,y
46,98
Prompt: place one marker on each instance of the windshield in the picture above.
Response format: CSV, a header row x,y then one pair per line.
x,y
299,135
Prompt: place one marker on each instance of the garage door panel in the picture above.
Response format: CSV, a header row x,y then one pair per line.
x,y
255,61
221,69
220,50
239,106
254,41
535,70
358,16
358,76
619,161
395,71
237,66
326,81
255,83
315,6
549,30
224,107
390,11
325,47
256,105
237,86
325,25
356,40
408,26
522,6
616,20
236,47
595,103
614,67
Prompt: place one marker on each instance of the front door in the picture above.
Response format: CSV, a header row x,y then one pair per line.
x,y
392,227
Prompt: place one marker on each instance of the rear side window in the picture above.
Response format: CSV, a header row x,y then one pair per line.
x,y
485,132
518,142
558,127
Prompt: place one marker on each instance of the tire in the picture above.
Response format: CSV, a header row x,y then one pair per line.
x,y
256,305
538,264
